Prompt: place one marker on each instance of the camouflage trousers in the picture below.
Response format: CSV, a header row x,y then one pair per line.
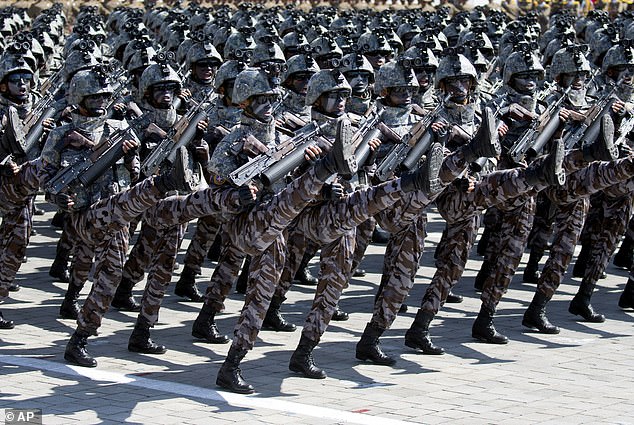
x,y
362,240
572,201
297,245
604,227
542,228
206,230
505,249
225,274
103,226
460,210
17,194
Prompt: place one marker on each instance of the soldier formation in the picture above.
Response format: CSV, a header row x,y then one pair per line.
x,y
287,132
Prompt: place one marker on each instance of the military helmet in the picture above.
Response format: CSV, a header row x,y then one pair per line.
x,y
425,56
521,61
570,59
253,82
299,63
454,65
371,42
267,52
324,81
13,63
356,62
80,58
200,51
601,41
325,46
238,42
137,54
88,82
228,71
159,72
398,73
292,42
622,54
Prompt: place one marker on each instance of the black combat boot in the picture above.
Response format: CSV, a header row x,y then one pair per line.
x,y
531,272
535,315
179,177
303,276
230,375
140,341
627,297
426,177
243,278
123,299
205,327
484,330
302,360
368,347
214,251
274,321
59,268
603,148
484,241
380,236
485,143
548,171
339,315
70,306
76,352
580,304
417,336
483,274
6,324
59,219
340,159
624,258
186,286
454,298
579,270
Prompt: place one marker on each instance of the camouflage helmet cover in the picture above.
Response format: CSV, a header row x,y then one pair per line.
x,y
159,72
324,81
395,74
570,59
453,66
299,63
521,61
228,71
88,82
253,82
356,62
622,54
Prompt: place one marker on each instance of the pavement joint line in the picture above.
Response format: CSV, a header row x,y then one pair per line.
x,y
186,390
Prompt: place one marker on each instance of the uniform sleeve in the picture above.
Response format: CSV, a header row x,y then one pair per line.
x,y
51,155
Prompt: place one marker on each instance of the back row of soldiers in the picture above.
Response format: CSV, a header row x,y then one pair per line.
x,y
309,128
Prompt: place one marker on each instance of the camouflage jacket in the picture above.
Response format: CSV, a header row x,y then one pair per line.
x,y
58,153
23,110
359,105
296,104
201,92
220,115
235,150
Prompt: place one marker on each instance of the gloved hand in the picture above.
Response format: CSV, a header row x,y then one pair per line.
x,y
63,200
201,152
332,192
246,195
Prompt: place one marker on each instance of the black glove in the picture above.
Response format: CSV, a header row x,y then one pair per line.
x,y
332,192
246,198
61,200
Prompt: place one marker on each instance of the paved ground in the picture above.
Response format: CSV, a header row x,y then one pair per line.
x,y
583,375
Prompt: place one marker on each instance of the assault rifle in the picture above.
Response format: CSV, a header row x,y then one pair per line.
x,y
181,134
590,127
539,133
84,173
411,147
275,163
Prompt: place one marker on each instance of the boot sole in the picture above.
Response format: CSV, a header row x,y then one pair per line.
x,y
422,350
301,372
576,312
367,359
76,363
344,149
235,390
483,338
134,349
203,338
534,328
435,158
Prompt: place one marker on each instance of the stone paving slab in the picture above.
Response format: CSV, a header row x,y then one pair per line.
x,y
583,375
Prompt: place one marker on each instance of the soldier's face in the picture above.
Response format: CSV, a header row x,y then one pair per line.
x,y
299,82
379,58
18,85
94,105
425,77
333,103
163,94
261,106
205,70
625,74
525,82
359,81
458,88
400,96
575,80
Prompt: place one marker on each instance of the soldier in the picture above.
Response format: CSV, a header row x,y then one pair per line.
x,y
221,118
341,217
202,61
16,103
100,212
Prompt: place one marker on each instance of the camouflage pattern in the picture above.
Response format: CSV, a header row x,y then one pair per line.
x,y
323,81
224,275
572,206
452,66
459,209
206,230
394,74
16,208
569,60
253,82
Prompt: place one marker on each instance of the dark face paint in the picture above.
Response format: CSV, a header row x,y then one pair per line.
x,y
333,103
94,105
163,95
299,82
576,80
400,96
359,81
18,85
525,82
205,71
261,106
458,88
